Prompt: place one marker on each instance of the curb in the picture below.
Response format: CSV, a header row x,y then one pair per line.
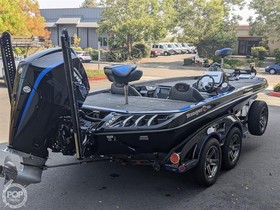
x,y
97,78
276,94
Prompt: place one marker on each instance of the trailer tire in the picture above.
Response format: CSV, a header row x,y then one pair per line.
x,y
232,148
258,118
209,165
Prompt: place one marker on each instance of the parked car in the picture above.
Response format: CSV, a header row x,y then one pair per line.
x,y
155,53
175,48
163,48
83,56
183,49
1,68
190,48
273,69
2,73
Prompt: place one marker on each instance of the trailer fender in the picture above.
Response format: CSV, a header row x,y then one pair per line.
x,y
197,142
200,146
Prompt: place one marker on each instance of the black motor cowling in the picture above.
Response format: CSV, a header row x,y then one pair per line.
x,y
41,98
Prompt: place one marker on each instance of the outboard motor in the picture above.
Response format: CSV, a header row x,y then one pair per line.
x,y
39,99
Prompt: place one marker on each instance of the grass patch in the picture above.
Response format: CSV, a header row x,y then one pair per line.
x,y
95,73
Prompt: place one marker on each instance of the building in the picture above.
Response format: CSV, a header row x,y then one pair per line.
x,y
246,41
80,21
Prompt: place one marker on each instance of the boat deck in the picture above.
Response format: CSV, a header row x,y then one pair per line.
x,y
135,103
115,102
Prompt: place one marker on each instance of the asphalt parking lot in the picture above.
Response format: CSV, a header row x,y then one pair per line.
x,y
253,184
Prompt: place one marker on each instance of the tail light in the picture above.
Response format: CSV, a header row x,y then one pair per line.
x,y
174,158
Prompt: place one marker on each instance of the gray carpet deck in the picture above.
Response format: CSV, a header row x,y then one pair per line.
x,y
136,103
105,101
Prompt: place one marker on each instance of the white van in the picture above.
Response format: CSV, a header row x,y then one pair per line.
x,y
190,48
176,48
163,48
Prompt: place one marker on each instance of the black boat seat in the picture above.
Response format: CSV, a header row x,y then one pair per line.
x,y
117,88
122,74
184,92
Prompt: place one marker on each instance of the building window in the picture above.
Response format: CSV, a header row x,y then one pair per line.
x,y
103,41
245,46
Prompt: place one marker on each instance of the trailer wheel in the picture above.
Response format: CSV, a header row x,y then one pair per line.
x,y
258,118
208,168
231,148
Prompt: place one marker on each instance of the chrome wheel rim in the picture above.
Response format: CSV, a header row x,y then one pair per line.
x,y
212,162
234,148
263,119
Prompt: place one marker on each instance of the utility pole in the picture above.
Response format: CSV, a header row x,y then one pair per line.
x,y
98,56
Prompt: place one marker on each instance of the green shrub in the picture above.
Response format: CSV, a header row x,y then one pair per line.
x,y
136,53
277,55
276,88
88,50
227,66
145,50
77,48
259,63
230,63
216,59
259,52
117,55
94,55
92,52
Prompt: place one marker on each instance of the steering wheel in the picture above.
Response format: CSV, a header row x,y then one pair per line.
x,y
205,84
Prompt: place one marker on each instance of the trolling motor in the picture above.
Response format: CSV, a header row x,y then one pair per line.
x,y
69,72
8,61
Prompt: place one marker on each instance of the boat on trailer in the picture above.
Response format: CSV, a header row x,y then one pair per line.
x,y
177,124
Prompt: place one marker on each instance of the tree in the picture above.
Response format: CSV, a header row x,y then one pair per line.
x,y
208,23
22,17
89,4
267,21
77,40
128,21
33,19
11,18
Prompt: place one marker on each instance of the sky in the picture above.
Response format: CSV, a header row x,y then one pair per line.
x,y
60,3
76,3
